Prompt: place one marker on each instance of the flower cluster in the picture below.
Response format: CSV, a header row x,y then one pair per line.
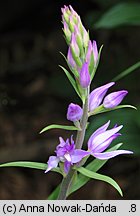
x,y
97,143
97,98
82,59
67,154
82,54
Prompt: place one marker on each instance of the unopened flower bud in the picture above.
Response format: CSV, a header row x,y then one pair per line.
x,y
97,95
114,99
74,112
67,32
65,13
72,19
85,37
84,76
74,45
89,51
70,59
71,23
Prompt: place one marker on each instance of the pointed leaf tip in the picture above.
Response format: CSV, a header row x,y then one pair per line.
x,y
55,126
100,177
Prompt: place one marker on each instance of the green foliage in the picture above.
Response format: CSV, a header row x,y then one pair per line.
x,y
120,14
102,109
29,164
55,126
98,176
72,81
54,194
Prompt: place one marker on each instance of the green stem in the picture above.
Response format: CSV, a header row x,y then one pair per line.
x,y
65,185
81,134
66,182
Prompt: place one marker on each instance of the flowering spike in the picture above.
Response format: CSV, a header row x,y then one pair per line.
x,y
74,112
84,76
114,99
97,95
70,16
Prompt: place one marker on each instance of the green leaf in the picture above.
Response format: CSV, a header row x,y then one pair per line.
x,y
119,15
100,177
54,126
29,164
127,71
102,109
54,194
72,81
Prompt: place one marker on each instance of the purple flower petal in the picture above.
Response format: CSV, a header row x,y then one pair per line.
x,y
78,154
98,131
101,138
100,148
114,99
52,163
84,76
62,142
108,155
74,112
60,152
97,95
67,156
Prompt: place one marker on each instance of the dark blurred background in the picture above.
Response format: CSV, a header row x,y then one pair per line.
x,y
34,91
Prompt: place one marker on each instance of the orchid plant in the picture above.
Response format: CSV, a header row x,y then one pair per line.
x,y
70,155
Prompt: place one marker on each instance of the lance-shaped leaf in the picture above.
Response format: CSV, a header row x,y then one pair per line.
x,y
72,81
100,177
54,194
54,126
29,164
102,109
